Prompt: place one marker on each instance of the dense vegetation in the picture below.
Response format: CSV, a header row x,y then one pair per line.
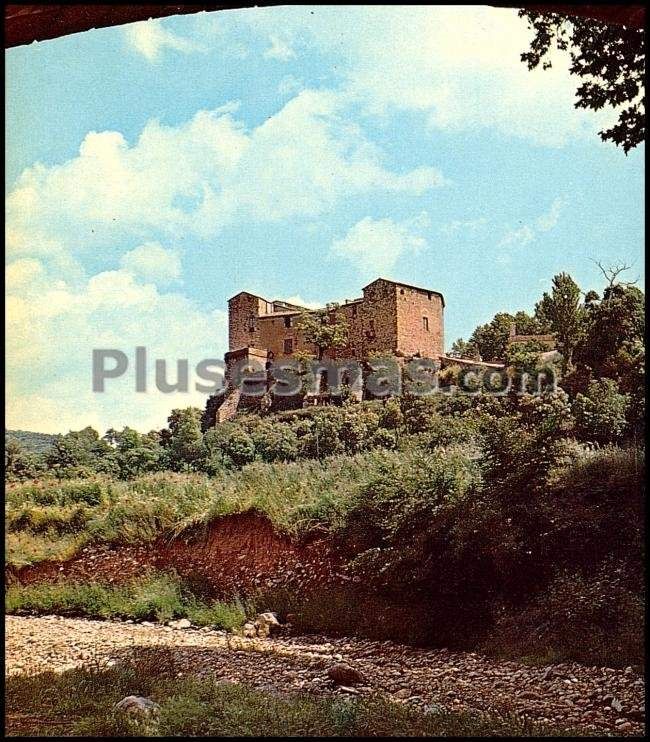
x,y
511,522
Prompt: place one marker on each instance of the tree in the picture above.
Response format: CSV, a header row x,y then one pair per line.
x,y
322,328
183,439
81,451
135,453
491,339
613,344
612,273
463,349
562,312
20,463
610,58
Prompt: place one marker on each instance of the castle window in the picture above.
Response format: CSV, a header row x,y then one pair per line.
x,y
251,323
429,294
288,346
287,321
354,311
401,291
425,323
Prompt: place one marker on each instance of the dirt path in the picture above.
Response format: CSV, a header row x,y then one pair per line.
x,y
568,695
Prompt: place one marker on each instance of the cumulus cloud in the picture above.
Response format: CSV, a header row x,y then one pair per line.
x,y
150,38
458,65
375,246
152,261
53,327
199,176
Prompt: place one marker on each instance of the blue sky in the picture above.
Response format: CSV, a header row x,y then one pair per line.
x,y
156,169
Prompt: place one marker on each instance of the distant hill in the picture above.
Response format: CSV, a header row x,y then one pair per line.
x,y
32,442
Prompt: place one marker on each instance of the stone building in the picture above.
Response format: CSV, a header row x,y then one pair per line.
x,y
389,318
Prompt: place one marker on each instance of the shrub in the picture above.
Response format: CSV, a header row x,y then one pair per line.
x,y
229,443
154,597
600,413
275,442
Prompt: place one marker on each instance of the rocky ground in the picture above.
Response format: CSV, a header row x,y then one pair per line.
x,y
566,695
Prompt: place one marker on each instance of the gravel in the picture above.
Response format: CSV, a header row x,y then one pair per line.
x,y
567,695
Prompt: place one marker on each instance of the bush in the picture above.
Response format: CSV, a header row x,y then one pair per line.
x,y
600,413
595,619
230,444
275,442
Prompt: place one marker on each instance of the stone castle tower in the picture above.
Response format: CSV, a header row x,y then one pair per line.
x,y
394,318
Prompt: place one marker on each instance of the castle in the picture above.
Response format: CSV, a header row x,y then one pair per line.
x,y
390,317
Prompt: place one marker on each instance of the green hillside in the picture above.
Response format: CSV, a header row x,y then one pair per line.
x,y
30,441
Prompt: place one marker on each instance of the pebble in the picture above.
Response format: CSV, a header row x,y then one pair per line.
x,y
431,678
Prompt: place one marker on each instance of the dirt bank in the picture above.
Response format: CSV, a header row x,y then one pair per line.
x,y
235,554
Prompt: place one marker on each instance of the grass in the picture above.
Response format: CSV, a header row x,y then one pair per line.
x,y
79,703
52,520
155,597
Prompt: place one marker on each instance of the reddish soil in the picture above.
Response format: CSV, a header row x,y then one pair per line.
x,y
235,554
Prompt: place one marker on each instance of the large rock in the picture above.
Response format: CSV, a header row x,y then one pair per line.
x,y
344,674
182,623
140,714
266,624
248,630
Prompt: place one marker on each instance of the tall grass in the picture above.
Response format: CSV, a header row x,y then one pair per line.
x,y
49,520
154,597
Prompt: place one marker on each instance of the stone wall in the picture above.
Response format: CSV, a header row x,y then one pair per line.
x,y
390,317
420,322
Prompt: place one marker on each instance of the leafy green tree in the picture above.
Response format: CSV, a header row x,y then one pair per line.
x,y
21,464
275,441
562,311
601,413
613,344
81,452
183,440
135,453
230,444
610,58
463,349
323,329
491,339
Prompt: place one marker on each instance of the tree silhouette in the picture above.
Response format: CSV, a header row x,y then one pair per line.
x,y
609,57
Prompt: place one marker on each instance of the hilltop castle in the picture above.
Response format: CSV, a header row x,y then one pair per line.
x,y
393,318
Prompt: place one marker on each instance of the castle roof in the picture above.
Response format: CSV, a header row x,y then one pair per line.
x,y
408,286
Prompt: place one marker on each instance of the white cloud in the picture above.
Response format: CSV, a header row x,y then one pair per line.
x,y
374,246
289,85
53,327
152,261
550,219
279,49
150,38
459,65
525,234
463,225
297,299
201,175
